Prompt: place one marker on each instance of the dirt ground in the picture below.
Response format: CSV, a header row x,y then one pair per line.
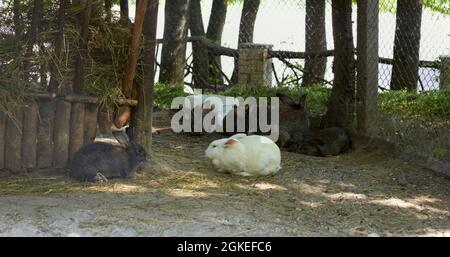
x,y
365,192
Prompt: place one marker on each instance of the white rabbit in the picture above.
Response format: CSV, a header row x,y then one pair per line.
x,y
245,155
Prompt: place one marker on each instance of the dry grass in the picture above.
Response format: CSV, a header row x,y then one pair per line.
x,y
365,192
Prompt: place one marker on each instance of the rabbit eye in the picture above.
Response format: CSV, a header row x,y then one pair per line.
x,y
214,146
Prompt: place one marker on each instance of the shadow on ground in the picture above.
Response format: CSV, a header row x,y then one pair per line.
x,y
365,192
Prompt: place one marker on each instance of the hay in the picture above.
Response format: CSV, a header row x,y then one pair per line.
x,y
107,56
363,192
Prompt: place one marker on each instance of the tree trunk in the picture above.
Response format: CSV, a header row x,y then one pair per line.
x,y
173,54
214,34
315,42
78,83
108,12
133,52
143,116
43,68
405,69
32,37
17,19
59,41
200,53
246,28
341,106
124,12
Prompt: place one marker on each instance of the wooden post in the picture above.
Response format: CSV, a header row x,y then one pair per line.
x,y
142,120
13,141
45,133
90,123
62,132
367,66
105,119
29,136
78,83
2,139
76,128
133,53
444,78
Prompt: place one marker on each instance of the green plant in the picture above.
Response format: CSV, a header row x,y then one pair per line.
x,y
425,105
165,93
317,96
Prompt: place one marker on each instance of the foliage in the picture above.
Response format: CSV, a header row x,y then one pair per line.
x,y
164,94
426,105
317,96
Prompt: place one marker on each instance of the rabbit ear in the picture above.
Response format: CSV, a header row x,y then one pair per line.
x,y
286,99
238,136
122,137
230,142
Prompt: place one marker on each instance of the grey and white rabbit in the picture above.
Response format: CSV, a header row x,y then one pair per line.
x,y
100,161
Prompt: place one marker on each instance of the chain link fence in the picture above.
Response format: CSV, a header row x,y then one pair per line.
x,y
413,40
294,42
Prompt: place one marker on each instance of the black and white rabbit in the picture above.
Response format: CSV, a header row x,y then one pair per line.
x,y
100,161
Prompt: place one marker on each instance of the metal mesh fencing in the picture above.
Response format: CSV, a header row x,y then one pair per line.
x,y
413,40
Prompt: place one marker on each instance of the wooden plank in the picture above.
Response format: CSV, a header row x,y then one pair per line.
x,y
367,66
61,134
29,137
76,128
2,139
45,144
90,123
104,120
13,142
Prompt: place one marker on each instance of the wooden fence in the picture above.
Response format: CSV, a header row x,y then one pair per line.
x,y
47,132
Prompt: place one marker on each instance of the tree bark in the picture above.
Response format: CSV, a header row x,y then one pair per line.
x,y
108,11
200,53
367,67
59,41
32,37
142,120
78,83
173,54
341,106
315,42
246,29
405,70
17,19
214,34
124,12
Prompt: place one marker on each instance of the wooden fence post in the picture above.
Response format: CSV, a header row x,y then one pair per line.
x,y
76,128
2,139
13,141
444,78
45,133
90,123
29,136
62,133
367,66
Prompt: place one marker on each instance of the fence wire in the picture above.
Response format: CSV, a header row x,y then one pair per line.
x,y
413,38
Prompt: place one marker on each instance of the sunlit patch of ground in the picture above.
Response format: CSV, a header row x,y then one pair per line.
x,y
362,193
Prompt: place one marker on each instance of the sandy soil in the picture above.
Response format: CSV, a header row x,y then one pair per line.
x,y
365,192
